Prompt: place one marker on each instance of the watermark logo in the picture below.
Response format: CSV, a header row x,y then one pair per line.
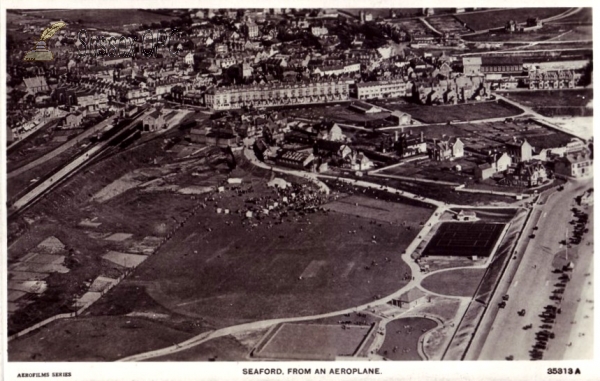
x,y
41,52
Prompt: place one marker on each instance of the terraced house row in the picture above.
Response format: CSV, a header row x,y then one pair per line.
x,y
225,98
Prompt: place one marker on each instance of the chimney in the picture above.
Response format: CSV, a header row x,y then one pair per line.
x,y
395,136
421,136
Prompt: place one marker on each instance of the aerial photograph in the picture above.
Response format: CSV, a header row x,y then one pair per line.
x,y
293,184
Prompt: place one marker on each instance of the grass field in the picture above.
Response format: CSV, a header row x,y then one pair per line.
x,y
339,113
252,274
458,239
548,31
458,282
498,18
94,339
405,339
578,98
231,270
443,193
447,113
313,341
582,17
400,12
557,102
380,210
225,348
101,18
444,308
447,24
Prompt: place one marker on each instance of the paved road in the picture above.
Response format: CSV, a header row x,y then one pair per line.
x,y
533,282
62,148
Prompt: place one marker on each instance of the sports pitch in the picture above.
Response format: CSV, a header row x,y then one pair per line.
x,y
459,239
313,341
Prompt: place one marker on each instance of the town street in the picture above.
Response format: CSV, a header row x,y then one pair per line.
x,y
532,284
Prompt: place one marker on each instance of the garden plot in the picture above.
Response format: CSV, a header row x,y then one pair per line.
x,y
118,237
195,190
102,284
124,259
147,246
447,24
116,188
13,295
47,259
88,298
28,286
23,275
40,268
87,223
98,235
12,307
51,245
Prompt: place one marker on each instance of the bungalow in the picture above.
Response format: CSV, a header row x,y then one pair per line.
x,y
410,299
466,215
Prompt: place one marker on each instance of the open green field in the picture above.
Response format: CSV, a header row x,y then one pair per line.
x,y
225,348
547,32
379,210
458,282
405,339
447,113
498,18
101,18
442,192
253,273
105,338
447,24
435,170
339,113
556,102
400,12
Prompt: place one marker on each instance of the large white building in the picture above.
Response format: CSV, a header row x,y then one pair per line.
x,y
232,97
392,88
